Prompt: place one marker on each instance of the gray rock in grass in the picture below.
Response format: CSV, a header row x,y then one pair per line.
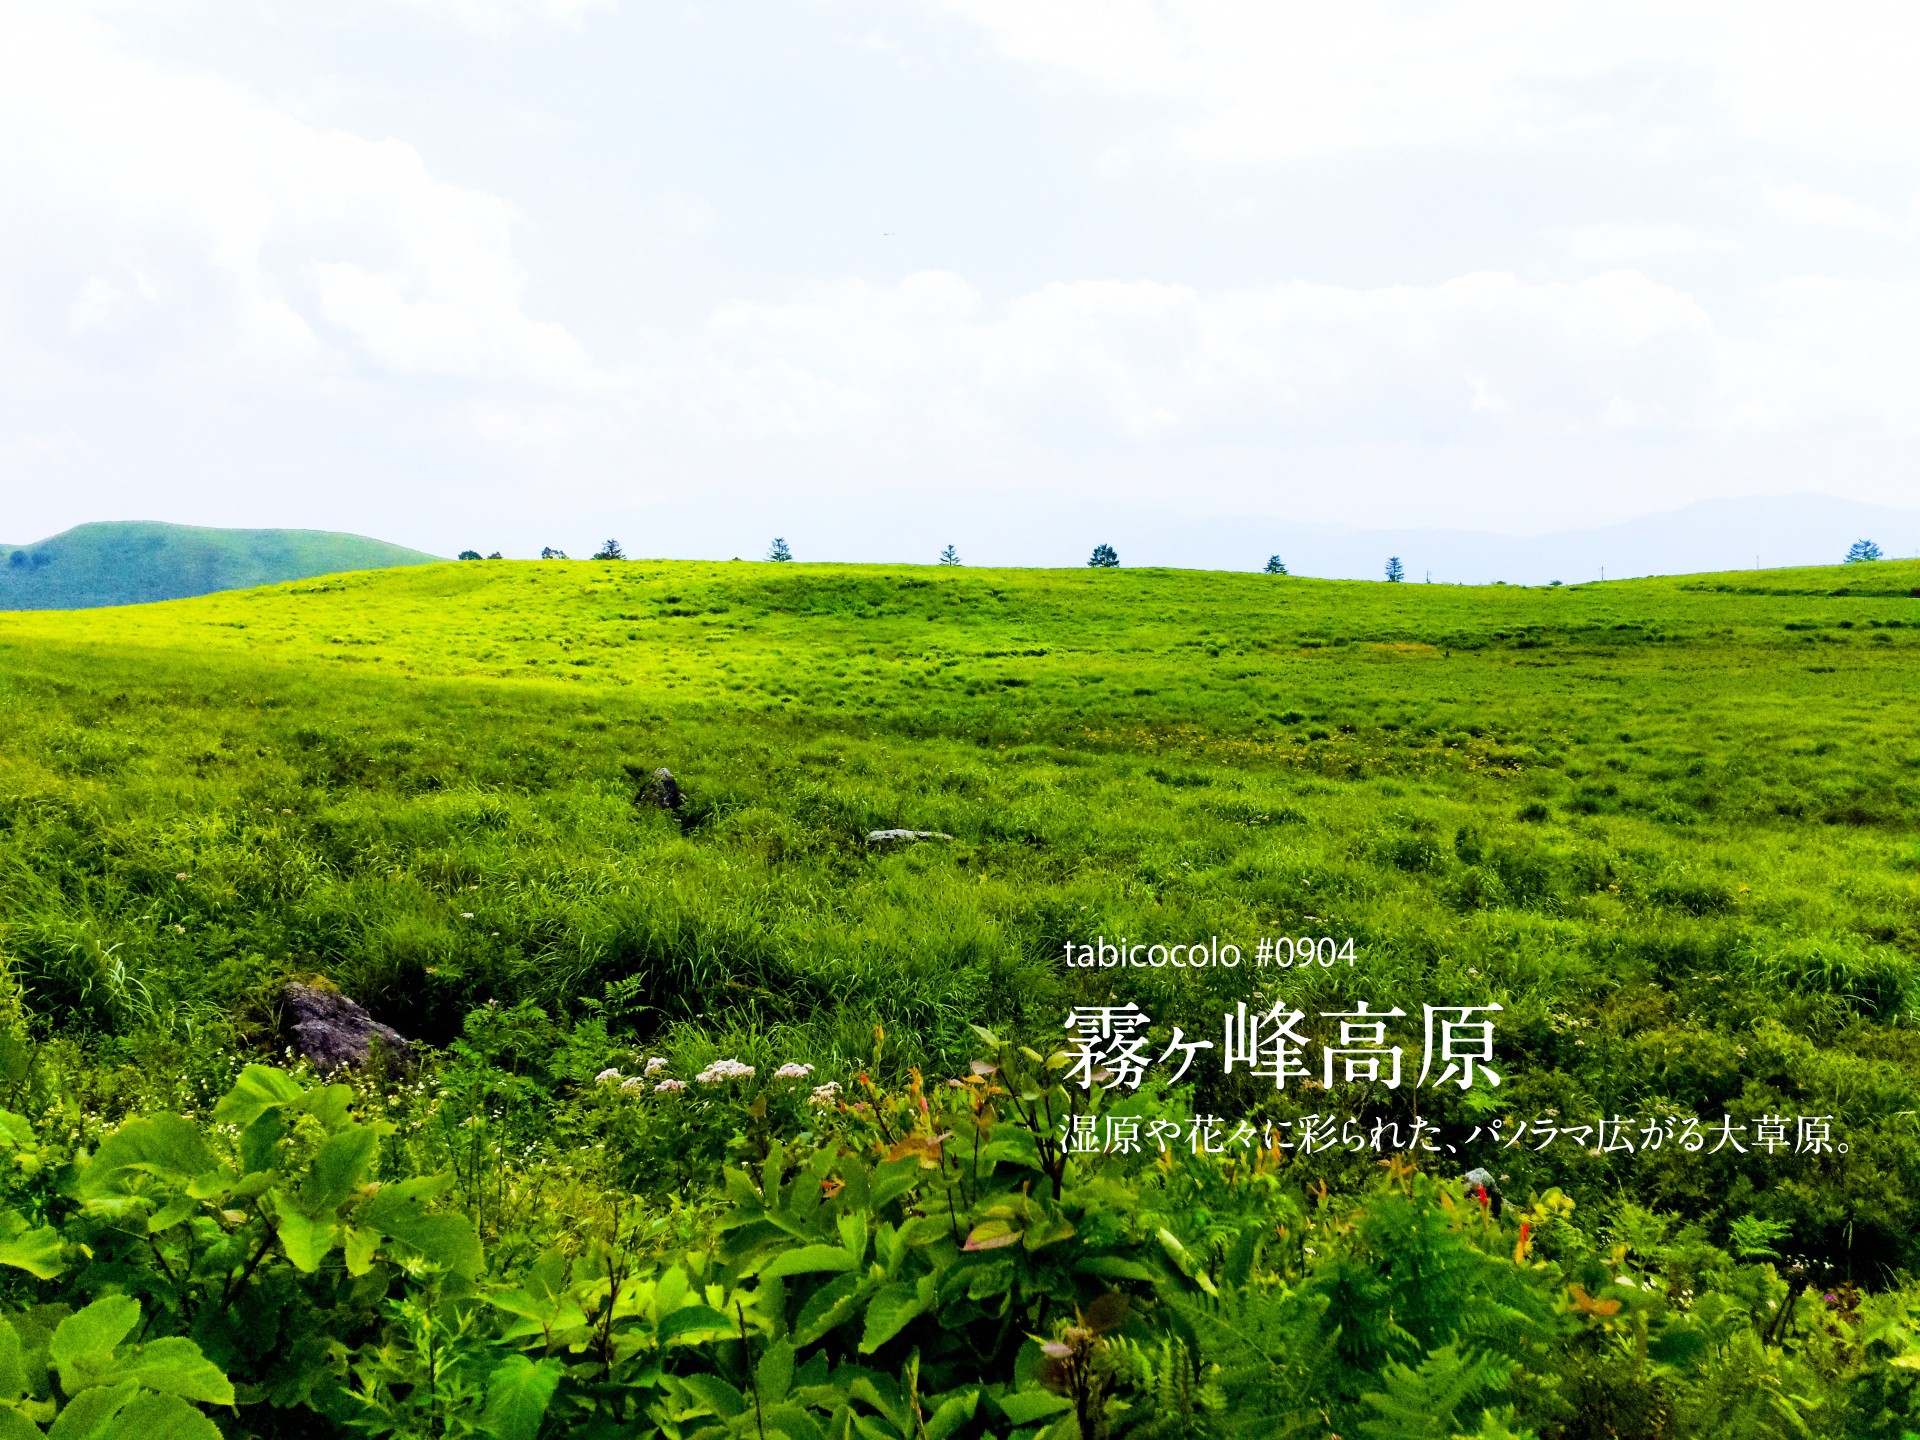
x,y
661,790
333,1032
904,837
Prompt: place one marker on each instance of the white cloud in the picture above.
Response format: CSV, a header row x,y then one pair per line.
x,y
1618,241
278,239
1265,80
1140,360
500,18
686,217
1797,205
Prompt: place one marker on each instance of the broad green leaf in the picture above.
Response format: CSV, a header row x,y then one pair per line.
x,y
92,1331
159,1417
89,1414
171,1214
853,1234
1115,1267
167,1146
15,1130
789,1420
15,1426
361,1243
888,1402
259,1089
774,1374
35,1251
671,1291
888,1314
696,1325
339,1165
833,1304
329,1105
400,1210
992,1235
1023,1407
951,1414
518,1393
306,1241
258,1140
893,1180
715,1394
173,1366
810,1260
13,1368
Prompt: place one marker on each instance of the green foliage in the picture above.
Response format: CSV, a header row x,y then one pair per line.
x,y
1638,816
131,562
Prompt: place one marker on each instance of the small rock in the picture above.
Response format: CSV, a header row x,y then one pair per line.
x,y
332,1031
662,790
904,837
1480,1180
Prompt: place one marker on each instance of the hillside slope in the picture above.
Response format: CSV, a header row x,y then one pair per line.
x,y
1668,825
131,562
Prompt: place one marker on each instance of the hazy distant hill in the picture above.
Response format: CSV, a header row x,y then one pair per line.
x,y
130,561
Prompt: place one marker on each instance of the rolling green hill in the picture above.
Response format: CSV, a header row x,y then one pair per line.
x,y
132,562
1671,826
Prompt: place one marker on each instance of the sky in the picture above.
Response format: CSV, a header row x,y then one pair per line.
x,y
514,273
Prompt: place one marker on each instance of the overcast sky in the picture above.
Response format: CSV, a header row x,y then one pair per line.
x,y
519,272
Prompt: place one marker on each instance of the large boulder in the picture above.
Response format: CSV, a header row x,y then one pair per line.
x,y
333,1032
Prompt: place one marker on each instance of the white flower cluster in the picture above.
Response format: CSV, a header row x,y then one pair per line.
x,y
793,1071
633,1084
824,1095
607,1076
670,1087
656,1063
721,1070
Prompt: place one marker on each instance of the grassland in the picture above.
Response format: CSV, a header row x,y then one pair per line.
x,y
1669,824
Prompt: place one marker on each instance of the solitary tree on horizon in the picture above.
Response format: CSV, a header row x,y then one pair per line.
x,y
610,551
1276,566
547,552
778,550
1862,551
949,556
1105,557
1396,572
469,554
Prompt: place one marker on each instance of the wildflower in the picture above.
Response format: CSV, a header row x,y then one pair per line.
x,y
670,1087
607,1076
824,1095
793,1071
656,1062
466,914
721,1070
633,1083
181,876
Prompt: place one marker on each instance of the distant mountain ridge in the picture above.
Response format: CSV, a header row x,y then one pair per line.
x,y
130,562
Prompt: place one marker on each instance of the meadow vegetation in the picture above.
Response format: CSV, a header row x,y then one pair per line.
x,y
1669,825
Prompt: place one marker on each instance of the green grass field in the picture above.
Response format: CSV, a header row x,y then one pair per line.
x,y
1672,826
